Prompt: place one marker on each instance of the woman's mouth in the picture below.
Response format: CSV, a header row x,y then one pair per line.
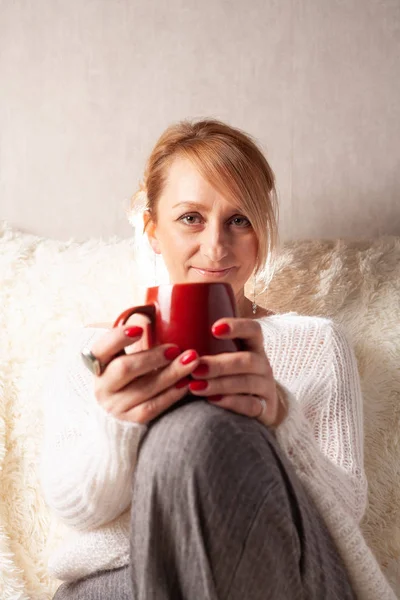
x,y
213,272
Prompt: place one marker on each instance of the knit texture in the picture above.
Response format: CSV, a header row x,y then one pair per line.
x,y
89,456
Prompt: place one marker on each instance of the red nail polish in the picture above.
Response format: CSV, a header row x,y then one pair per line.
x,y
189,357
201,370
172,353
198,386
221,329
215,398
182,383
133,331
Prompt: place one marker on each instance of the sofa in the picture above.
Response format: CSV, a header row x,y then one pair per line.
x,y
50,287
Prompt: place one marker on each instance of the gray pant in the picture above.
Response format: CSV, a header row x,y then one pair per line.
x,y
219,514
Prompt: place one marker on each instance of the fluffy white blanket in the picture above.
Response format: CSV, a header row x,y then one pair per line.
x,y
49,287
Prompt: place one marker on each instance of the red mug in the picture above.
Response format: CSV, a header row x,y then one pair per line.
x,y
183,314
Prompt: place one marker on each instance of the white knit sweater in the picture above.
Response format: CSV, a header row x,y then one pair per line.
x,y
89,456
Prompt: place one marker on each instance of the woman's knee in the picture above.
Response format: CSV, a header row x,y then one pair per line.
x,y
201,438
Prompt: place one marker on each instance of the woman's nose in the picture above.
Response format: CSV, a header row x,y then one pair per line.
x,y
214,244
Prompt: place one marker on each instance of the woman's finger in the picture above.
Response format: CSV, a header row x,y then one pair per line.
x,y
152,408
155,383
250,406
232,363
115,340
234,384
247,330
135,404
122,370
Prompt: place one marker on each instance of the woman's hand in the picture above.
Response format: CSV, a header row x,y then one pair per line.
x,y
139,386
238,380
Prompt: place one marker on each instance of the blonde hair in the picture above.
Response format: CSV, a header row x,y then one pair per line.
x,y
230,161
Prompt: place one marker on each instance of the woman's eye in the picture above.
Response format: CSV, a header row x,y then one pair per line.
x,y
240,221
190,219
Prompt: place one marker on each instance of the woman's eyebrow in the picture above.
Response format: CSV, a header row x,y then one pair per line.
x,y
194,204
190,203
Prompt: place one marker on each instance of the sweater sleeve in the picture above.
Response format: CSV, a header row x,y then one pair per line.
x,y
323,432
88,456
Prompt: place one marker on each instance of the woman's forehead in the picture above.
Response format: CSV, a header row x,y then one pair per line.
x,y
186,185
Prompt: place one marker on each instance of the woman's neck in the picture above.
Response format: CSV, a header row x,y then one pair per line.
x,y
245,307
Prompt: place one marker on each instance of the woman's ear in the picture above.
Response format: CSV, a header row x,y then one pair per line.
x,y
150,228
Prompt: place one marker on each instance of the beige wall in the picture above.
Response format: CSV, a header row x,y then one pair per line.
x,y
88,85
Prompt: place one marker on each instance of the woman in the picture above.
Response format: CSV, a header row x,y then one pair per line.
x,y
257,490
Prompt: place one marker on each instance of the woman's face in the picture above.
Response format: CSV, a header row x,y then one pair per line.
x,y
200,233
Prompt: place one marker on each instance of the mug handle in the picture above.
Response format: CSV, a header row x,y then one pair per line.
x,y
149,310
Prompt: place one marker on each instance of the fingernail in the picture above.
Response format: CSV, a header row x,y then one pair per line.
x,y
133,331
172,353
189,357
215,398
201,370
221,329
198,386
182,383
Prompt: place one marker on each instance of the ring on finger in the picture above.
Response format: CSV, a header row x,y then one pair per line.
x,y
263,404
92,362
